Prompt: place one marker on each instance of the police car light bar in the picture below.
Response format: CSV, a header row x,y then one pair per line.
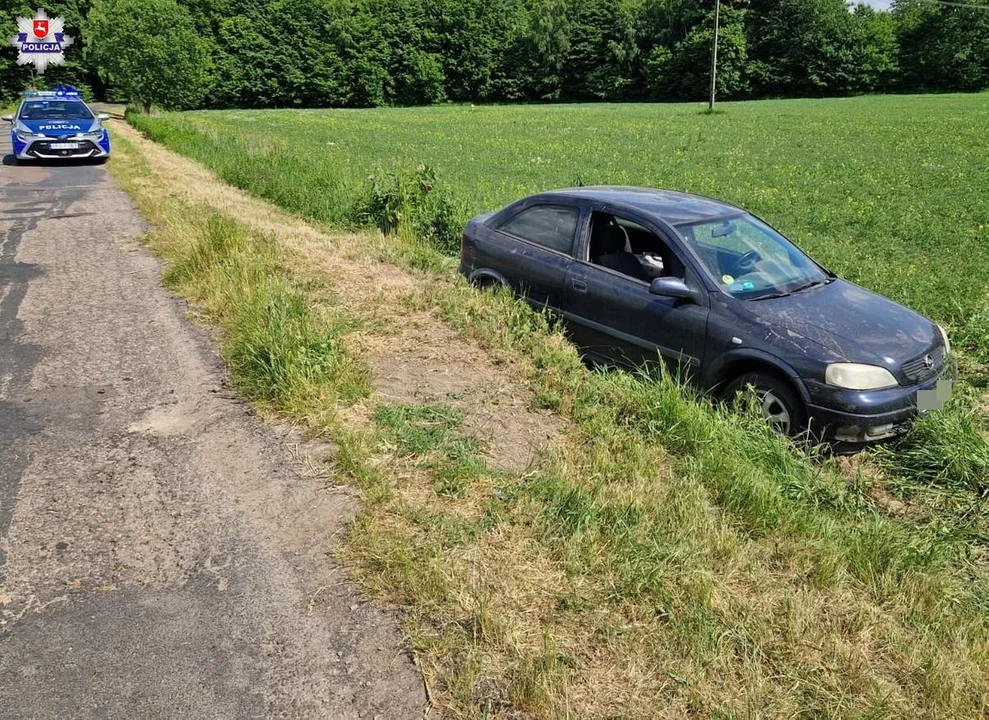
x,y
60,91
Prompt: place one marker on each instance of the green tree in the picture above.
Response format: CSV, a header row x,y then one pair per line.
x,y
469,38
879,48
602,60
549,36
362,53
806,47
943,47
682,72
150,50
667,22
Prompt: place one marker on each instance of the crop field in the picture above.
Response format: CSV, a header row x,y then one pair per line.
x,y
664,559
887,191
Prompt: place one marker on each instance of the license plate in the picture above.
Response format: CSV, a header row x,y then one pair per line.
x,y
64,146
935,398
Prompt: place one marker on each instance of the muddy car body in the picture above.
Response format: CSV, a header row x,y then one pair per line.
x,y
721,296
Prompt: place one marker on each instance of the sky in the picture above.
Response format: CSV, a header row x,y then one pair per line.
x,y
878,4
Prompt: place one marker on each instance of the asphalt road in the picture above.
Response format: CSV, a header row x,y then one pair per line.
x,y
161,552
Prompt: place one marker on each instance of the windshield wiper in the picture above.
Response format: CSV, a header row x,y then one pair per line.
x,y
808,286
813,283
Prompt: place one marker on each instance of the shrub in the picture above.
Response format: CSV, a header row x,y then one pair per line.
x,y
408,201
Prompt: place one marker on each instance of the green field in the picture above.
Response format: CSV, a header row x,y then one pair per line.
x,y
887,191
669,560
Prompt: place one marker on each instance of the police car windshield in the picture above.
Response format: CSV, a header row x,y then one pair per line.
x,y
55,110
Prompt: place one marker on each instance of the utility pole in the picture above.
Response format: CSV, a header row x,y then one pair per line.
x,y
714,54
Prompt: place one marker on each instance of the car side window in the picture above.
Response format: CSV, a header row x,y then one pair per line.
x,y
629,248
551,226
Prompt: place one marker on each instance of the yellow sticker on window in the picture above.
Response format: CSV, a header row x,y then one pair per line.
x,y
727,279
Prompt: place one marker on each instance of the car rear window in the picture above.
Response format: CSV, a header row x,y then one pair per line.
x,y
551,226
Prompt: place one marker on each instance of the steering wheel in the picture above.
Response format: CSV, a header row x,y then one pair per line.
x,y
746,263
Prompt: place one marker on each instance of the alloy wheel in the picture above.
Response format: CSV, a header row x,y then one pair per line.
x,y
776,412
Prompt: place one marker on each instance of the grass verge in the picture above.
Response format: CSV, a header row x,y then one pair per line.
x,y
661,559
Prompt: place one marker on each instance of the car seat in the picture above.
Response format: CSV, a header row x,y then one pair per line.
x,y
611,244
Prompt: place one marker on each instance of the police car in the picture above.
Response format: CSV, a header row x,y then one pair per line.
x,y
57,125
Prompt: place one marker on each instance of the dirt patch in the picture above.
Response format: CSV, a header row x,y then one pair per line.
x,y
414,355
428,362
854,465
893,505
172,419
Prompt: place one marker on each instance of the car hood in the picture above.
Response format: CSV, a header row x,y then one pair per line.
x,y
59,127
850,321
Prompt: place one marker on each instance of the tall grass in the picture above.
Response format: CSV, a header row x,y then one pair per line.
x,y
282,352
945,449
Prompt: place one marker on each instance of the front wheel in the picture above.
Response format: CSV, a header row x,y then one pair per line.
x,y
779,404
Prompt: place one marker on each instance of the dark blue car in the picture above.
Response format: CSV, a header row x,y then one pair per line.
x,y
722,297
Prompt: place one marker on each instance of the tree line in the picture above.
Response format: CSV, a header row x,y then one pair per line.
x,y
366,53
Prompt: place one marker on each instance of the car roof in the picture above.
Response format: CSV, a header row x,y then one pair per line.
x,y
674,207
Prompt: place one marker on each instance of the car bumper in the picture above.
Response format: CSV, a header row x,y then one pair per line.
x,y
41,149
860,417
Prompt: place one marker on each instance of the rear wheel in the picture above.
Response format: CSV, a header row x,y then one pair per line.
x,y
487,282
779,404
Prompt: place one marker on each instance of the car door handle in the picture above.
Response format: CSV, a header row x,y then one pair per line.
x,y
578,285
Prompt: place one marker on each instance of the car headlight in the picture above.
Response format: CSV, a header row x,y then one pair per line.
x,y
944,335
854,376
28,135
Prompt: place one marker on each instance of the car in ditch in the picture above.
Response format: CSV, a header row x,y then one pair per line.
x,y
57,125
640,274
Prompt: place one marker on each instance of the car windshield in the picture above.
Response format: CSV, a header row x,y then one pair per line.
x,y
750,260
55,110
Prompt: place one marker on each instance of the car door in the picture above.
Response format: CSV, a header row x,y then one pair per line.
x,y
535,251
614,317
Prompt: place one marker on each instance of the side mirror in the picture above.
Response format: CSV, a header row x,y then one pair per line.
x,y
670,287
8,118
103,116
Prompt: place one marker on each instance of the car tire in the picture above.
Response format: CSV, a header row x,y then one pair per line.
x,y
491,284
781,406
